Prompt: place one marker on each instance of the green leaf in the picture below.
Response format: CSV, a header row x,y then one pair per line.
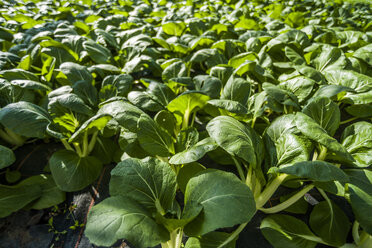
x,y
290,149
121,217
50,194
6,157
330,223
364,53
325,112
300,86
174,28
13,198
314,131
124,113
210,240
361,202
221,194
234,137
94,124
350,79
176,69
357,139
150,182
362,178
282,125
328,58
210,85
195,152
14,116
236,89
320,171
284,231
73,173
98,53
153,138
75,72
187,172
188,102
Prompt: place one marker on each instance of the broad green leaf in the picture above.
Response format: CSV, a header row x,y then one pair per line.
x,y
14,116
317,170
325,112
357,139
361,202
330,223
229,105
187,103
14,74
329,58
282,125
121,83
94,124
210,240
234,137
361,178
195,152
293,56
315,132
209,85
280,95
351,79
13,198
331,90
28,84
237,89
153,138
121,217
50,194
177,69
98,53
124,113
150,182
7,157
364,53
284,231
73,173
75,72
144,100
187,172
290,149
174,28
221,194
300,86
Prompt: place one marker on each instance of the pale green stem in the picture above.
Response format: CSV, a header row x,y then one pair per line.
x,y
193,118
270,190
239,168
85,145
355,232
289,202
11,137
257,188
233,235
323,153
67,145
175,241
349,120
159,208
315,155
185,122
253,122
78,149
92,142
